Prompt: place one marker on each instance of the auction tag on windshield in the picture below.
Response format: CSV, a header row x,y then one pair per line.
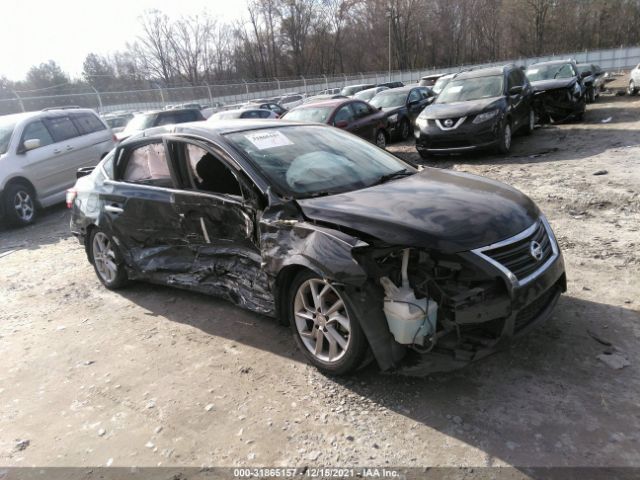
x,y
455,89
533,71
268,139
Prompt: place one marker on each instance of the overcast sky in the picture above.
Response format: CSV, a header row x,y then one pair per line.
x,y
35,31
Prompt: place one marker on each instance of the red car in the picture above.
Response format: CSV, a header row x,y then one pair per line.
x,y
354,116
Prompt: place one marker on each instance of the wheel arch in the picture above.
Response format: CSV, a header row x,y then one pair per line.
x,y
283,282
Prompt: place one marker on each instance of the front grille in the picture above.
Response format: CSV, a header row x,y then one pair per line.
x,y
534,309
517,257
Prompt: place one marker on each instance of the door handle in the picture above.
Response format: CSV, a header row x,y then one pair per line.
x,y
69,147
57,150
113,209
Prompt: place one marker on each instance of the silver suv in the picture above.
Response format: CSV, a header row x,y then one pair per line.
x,y
634,81
40,153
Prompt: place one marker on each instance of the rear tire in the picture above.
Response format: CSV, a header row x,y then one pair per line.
x,y
20,204
381,139
323,325
106,260
632,89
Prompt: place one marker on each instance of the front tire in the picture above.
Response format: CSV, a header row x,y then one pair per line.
x,y
504,140
107,261
323,325
404,130
381,139
632,89
20,204
531,123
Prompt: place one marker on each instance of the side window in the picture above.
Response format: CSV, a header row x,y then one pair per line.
x,y
209,173
414,96
167,119
87,123
514,79
344,114
36,130
61,128
264,113
148,165
361,109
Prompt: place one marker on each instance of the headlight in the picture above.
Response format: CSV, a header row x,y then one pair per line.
x,y
483,117
422,122
393,118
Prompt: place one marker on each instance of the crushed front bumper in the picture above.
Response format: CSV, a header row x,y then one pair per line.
x,y
531,305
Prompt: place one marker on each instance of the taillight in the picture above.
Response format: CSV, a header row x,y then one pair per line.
x,y
72,193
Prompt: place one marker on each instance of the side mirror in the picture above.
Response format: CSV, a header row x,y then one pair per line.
x,y
586,74
31,144
517,90
342,124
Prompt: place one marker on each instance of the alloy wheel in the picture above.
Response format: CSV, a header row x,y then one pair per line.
x,y
381,140
104,257
23,204
322,320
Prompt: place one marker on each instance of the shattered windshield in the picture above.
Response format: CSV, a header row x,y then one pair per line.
x,y
467,89
536,73
307,161
6,130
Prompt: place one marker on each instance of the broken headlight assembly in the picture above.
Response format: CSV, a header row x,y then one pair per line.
x,y
428,296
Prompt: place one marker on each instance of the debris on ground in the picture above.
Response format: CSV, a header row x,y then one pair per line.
x,y
606,120
209,407
613,360
101,432
22,445
600,172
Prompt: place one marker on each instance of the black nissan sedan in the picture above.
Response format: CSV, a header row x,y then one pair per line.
x,y
477,109
353,248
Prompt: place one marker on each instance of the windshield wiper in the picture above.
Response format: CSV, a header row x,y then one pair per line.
x,y
389,176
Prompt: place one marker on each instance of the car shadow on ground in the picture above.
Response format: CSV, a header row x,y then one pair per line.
x,y
530,405
51,226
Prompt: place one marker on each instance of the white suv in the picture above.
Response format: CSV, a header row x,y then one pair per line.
x,y
40,153
634,81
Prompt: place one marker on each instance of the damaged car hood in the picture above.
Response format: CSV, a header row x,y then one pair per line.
x,y
458,109
554,84
448,211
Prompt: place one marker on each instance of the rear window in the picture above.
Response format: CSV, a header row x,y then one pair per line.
x,y
61,128
87,123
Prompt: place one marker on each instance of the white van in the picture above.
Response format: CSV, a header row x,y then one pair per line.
x,y
40,153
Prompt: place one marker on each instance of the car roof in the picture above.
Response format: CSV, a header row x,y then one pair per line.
x,y
23,116
212,130
328,102
405,89
480,72
551,62
359,85
170,111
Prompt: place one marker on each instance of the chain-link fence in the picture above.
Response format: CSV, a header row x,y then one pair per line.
x,y
241,92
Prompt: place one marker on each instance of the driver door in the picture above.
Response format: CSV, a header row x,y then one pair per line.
x,y
219,211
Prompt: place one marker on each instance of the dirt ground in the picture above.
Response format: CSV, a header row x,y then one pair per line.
x,y
154,376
